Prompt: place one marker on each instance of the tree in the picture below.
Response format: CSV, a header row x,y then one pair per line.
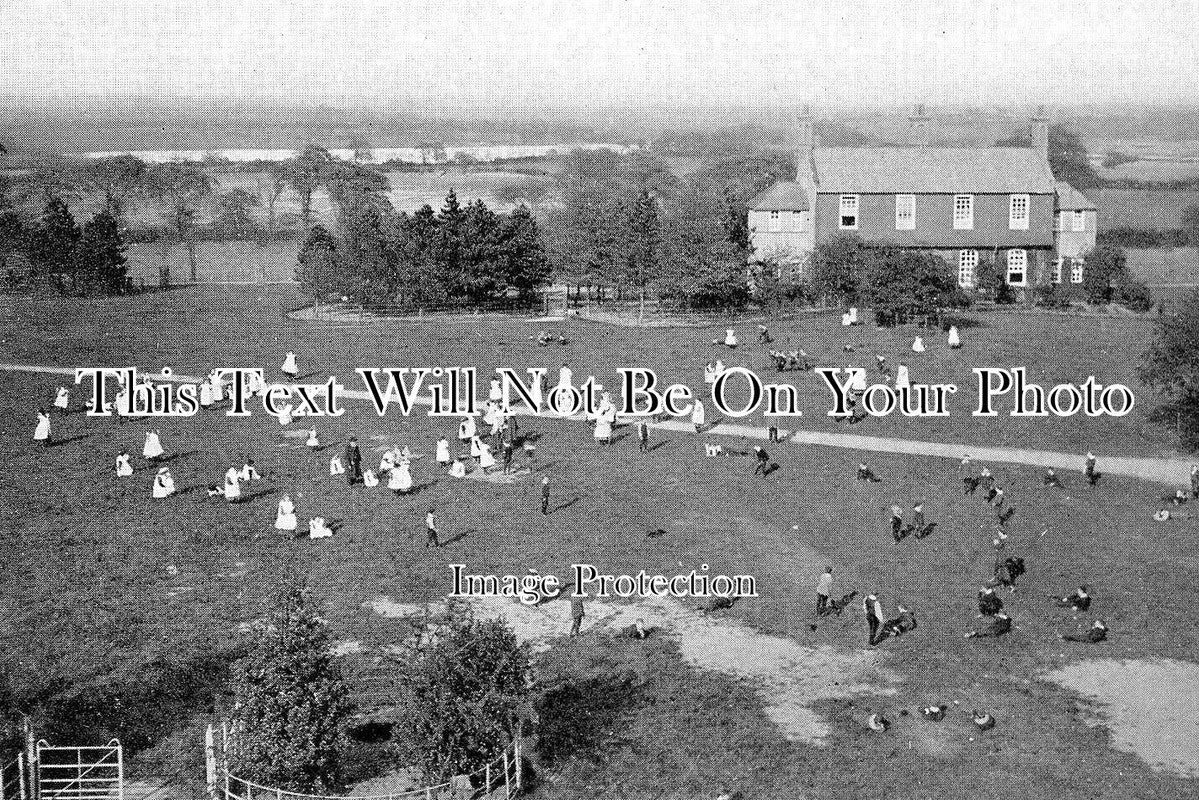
x,y
101,255
1105,268
119,180
463,683
271,184
289,724
642,259
840,268
910,286
233,213
183,187
1068,157
306,172
53,240
524,264
1171,368
12,241
318,268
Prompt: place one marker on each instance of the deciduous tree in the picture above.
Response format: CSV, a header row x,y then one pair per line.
x,y
1171,367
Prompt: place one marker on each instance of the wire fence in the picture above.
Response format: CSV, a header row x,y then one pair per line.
x,y
500,778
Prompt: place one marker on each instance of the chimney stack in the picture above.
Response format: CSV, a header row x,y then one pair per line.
x,y
1039,128
807,142
918,133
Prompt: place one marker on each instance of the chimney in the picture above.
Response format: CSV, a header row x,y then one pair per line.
x,y
918,135
807,142
1039,128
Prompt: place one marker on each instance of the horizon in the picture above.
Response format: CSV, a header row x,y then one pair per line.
x,y
592,58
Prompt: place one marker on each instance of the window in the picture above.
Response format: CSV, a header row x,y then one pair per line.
x,y
1017,215
774,221
1059,220
967,261
1079,222
1057,270
963,212
905,212
849,212
1076,270
1017,267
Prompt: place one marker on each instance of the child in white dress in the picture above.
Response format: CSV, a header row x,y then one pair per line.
x,y
317,528
370,479
152,449
285,517
124,468
41,433
164,484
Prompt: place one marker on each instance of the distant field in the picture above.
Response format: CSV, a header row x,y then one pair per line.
x,y
1165,267
1151,171
216,262
1151,209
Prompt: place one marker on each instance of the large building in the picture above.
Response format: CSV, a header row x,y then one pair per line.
x,y
961,203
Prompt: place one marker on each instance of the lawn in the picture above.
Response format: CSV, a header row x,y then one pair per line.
x,y
127,574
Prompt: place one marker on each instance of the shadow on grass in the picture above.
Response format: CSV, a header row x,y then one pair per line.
x,y
578,718
66,440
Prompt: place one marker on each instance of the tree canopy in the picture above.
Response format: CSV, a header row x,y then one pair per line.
x,y
1171,367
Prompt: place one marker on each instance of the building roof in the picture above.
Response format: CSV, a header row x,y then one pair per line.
x,y
1070,199
931,170
783,196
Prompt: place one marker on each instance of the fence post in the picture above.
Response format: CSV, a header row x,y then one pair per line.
x,y
209,761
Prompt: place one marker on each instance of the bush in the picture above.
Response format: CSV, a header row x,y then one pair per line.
x,y
1134,295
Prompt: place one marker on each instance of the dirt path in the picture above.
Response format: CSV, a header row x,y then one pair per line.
x,y
1171,471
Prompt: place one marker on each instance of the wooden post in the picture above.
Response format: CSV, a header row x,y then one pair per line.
x,y
209,761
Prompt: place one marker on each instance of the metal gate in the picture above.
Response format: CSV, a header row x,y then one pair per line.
x,y
80,773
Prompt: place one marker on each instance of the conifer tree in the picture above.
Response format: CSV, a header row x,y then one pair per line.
x,y
292,704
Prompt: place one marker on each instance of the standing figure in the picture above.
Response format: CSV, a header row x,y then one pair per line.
x,y
285,414
336,467
290,368
697,416
400,479
486,459
443,451
576,613
824,588
902,381
124,468
232,485
897,529
466,430
643,436
431,529
545,494
41,434
62,399
730,338
1092,475
285,516
1195,481
874,617
313,443
762,460
152,449
955,341
353,461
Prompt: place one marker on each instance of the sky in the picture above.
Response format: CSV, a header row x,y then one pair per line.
x,y
582,53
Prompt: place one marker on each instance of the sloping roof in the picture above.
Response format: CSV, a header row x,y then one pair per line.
x,y
1070,199
932,170
783,196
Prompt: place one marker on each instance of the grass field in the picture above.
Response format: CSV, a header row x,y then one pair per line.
x,y
1148,209
620,719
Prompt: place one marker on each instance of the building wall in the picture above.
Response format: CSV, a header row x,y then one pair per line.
x,y
934,222
787,237
1073,244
